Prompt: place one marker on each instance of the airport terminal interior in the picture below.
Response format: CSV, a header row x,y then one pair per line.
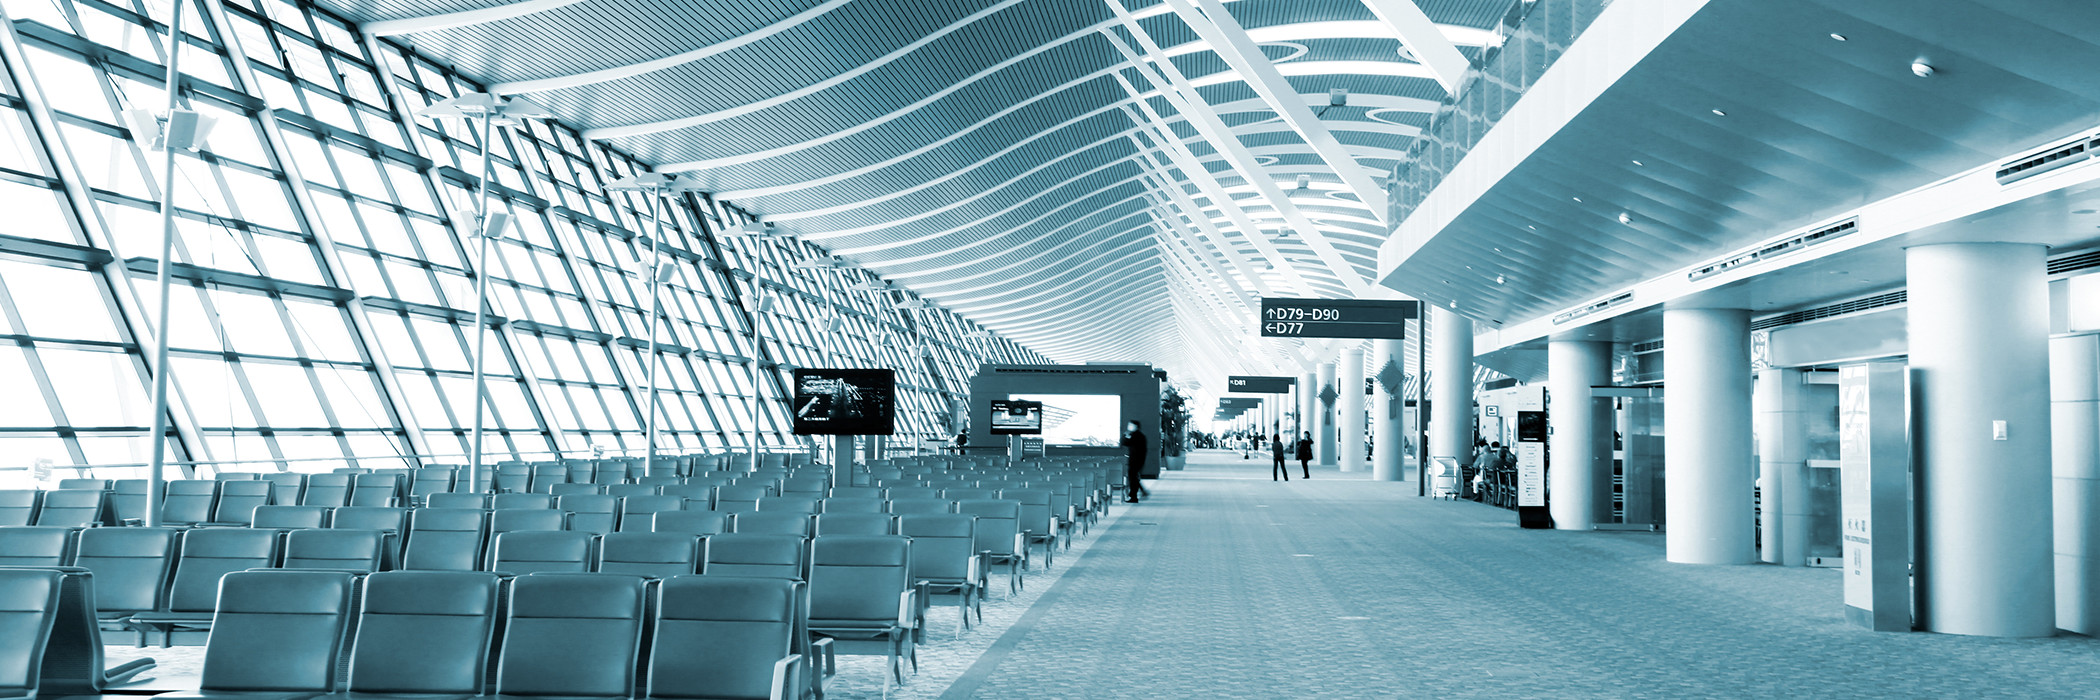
x,y
844,349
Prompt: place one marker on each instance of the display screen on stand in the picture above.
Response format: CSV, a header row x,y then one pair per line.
x,y
1011,417
845,401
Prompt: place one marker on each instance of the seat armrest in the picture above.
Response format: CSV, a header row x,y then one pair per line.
x,y
787,678
907,608
1021,545
827,656
976,569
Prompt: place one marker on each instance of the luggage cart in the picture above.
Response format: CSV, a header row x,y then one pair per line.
x,y
1443,478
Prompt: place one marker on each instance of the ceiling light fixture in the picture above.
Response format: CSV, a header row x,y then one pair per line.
x,y
1719,113
1638,163
1578,200
1837,36
1626,218
1921,69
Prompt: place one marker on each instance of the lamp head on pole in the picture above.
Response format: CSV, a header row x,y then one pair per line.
x,y
506,111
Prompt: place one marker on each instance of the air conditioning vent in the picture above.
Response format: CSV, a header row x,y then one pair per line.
x,y
1838,309
1566,316
2075,262
2051,159
1815,236
1650,346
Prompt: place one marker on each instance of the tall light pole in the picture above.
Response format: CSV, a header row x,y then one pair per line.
x,y
758,303
656,187
488,111
176,129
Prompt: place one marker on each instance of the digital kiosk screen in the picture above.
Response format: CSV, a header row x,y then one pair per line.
x,y
1011,417
845,402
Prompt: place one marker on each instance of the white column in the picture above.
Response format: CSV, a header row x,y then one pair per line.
x,y
1578,490
2074,395
1350,422
1323,416
1388,462
1451,385
1979,354
1778,405
1706,452
1308,384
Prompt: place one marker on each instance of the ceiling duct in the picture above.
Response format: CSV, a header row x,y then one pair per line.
x,y
1814,236
1566,316
2048,159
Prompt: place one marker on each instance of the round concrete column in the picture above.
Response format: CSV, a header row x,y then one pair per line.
x,y
1389,460
1323,416
2074,395
1308,384
1451,385
1706,449
1778,404
1979,359
1579,484
1350,422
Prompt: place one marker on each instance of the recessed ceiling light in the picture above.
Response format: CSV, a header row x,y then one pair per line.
x,y
1719,113
1578,200
1498,279
1639,163
1529,226
1837,36
1626,218
1921,69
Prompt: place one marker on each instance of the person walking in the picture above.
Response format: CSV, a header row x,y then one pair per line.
x,y
1276,451
1134,442
1305,455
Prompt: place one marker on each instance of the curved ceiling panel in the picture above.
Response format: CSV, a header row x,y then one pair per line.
x,y
1004,158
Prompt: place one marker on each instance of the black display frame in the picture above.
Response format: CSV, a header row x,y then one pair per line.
x,y
875,412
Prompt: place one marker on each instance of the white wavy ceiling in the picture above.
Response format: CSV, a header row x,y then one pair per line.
x,y
987,154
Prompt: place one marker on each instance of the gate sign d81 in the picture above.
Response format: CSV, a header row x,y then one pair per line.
x,y
1335,318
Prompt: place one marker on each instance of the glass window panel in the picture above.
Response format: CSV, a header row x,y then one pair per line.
x,y
289,259
422,398
34,212
25,404
286,395
213,392
68,303
441,344
364,275
261,199
354,398
252,324
97,388
322,331
16,150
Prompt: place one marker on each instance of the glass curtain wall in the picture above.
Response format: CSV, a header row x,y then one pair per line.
x,y
322,312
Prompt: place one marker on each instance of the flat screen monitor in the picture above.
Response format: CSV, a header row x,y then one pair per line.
x,y
1014,417
845,401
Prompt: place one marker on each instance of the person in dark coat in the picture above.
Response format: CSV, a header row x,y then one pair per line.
x,y
1305,455
1276,450
1134,442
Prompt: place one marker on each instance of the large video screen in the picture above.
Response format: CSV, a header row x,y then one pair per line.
x,y
1011,417
845,402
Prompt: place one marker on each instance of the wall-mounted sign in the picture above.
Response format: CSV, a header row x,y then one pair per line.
x,y
1259,385
1336,318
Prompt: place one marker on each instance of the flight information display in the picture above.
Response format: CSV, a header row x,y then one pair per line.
x,y
845,401
1259,385
1015,417
1336,318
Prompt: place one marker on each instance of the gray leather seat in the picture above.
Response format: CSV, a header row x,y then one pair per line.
x,y
571,636
509,479
910,492
746,630
127,497
330,490
787,504
637,512
545,476
75,508
739,498
778,556
651,554
131,566
999,535
362,551
238,500
772,523
700,493
531,552
424,633
28,610
376,490
860,588
84,484
457,500
969,494
392,521
277,634
1037,520
203,556
851,505
427,481
856,524
36,546
696,522
286,488
509,501
560,490
189,502
290,517
805,486
855,492
593,513
910,506
18,506
944,558
630,490
445,539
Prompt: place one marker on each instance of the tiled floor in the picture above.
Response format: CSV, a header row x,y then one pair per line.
x,y
1228,585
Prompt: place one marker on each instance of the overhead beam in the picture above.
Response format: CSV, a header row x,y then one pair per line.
x,y
1230,41
1446,65
1207,123
462,18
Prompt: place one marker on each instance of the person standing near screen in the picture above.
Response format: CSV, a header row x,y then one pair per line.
x,y
1276,451
1134,443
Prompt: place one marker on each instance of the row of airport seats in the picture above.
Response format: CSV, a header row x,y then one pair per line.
x,y
414,634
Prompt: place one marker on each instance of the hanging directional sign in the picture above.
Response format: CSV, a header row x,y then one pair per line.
x,y
1336,318
1259,385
